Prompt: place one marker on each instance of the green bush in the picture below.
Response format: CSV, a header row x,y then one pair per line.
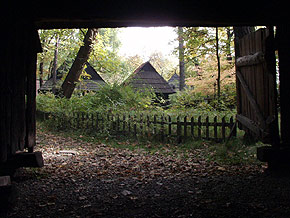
x,y
190,99
114,98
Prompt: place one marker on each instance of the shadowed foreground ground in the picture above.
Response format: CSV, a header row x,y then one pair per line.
x,y
97,180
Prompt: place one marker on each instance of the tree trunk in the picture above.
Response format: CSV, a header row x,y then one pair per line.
x,y
40,74
55,66
75,71
219,64
181,59
228,44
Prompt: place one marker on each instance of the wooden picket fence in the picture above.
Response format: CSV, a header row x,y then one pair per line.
x,y
159,127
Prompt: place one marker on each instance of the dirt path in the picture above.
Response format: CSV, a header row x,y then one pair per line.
x,y
95,180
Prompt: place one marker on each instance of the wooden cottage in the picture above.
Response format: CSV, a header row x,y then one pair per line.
x,y
146,77
174,82
92,82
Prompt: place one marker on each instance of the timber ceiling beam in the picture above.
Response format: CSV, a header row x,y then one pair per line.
x,y
113,13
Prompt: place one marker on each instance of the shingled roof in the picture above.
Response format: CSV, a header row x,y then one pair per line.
x,y
174,82
93,83
146,77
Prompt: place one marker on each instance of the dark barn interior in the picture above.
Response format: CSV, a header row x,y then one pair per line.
x,y
257,111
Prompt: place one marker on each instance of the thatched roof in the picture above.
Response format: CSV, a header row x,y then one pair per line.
x,y
146,77
92,83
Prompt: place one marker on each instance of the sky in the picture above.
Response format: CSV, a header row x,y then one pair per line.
x,y
144,41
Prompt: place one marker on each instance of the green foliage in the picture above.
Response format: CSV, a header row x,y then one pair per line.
x,y
114,98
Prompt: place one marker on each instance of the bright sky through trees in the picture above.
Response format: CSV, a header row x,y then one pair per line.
x,y
144,41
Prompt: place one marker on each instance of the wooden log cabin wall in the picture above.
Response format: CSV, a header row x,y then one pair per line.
x,y
20,44
18,92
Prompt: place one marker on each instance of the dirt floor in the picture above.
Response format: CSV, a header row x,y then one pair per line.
x,y
83,179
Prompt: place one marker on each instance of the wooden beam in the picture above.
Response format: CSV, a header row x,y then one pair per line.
x,y
251,100
283,34
24,159
250,124
250,60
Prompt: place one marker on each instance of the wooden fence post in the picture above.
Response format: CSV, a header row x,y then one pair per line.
x,y
199,127
192,126
154,127
207,128
169,125
129,124
215,128
185,128
223,129
97,122
162,128
135,126
148,126
178,130
141,124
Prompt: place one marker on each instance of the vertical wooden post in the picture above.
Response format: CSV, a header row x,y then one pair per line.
x,y
148,126
31,89
135,126
169,125
185,128
154,127
192,126
178,130
199,127
233,127
207,128
162,128
141,124
223,128
129,124
215,128
283,35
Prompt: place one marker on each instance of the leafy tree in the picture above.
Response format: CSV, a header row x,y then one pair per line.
x,y
69,43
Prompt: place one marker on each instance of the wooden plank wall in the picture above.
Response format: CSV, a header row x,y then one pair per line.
x,y
261,82
17,93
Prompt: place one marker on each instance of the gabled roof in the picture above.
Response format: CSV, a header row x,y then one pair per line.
x,y
93,83
146,77
174,81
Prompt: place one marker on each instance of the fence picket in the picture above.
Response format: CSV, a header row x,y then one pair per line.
x,y
207,128
178,130
185,128
215,127
199,127
162,128
135,126
144,125
192,126
223,128
169,125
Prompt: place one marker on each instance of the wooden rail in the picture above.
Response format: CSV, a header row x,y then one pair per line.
x,y
162,127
